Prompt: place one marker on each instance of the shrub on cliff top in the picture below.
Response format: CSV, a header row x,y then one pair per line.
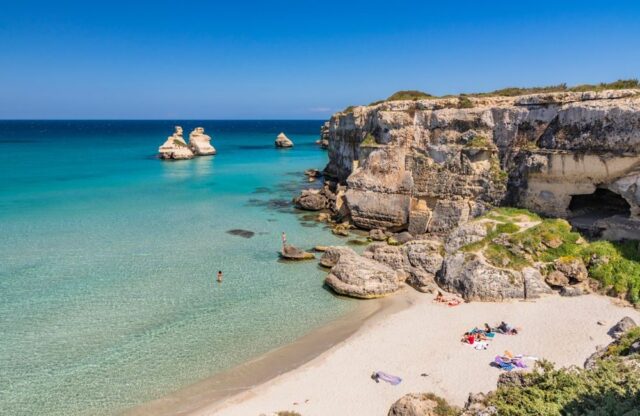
x,y
620,84
464,102
409,95
515,91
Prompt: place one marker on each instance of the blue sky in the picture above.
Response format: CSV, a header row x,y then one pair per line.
x,y
294,59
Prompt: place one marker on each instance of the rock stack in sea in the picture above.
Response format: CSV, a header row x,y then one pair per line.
x,y
283,141
175,147
200,143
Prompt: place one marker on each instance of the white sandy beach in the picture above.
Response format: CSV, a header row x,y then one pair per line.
x,y
425,338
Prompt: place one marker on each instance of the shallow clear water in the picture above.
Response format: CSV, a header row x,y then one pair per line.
x,y
108,258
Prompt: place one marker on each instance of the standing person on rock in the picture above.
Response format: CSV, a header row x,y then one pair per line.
x,y
284,241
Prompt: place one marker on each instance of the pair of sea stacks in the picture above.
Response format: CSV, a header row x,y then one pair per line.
x,y
176,148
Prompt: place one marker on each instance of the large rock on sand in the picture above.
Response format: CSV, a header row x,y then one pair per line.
x,y
421,404
425,261
175,147
283,141
293,253
572,267
625,324
200,143
359,277
311,200
474,279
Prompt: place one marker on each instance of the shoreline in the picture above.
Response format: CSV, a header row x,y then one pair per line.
x,y
421,344
209,394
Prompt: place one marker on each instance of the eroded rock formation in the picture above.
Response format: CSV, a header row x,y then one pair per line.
x,y
432,164
175,147
360,277
200,143
283,141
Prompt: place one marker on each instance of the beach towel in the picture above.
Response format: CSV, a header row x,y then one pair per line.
x,y
481,345
393,380
504,363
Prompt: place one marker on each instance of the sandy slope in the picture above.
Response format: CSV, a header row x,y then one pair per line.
x,y
424,338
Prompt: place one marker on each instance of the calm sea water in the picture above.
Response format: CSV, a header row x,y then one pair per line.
x,y
108,258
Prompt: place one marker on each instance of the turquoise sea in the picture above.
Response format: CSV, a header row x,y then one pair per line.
x,y
108,259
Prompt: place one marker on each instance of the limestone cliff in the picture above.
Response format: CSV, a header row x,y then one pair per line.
x,y
431,164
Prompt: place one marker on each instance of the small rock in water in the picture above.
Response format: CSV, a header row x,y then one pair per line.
x,y
241,233
293,253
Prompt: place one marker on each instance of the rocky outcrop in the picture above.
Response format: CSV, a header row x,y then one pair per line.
x,y
200,143
283,141
332,254
433,164
421,404
323,141
621,327
360,277
475,279
175,147
293,253
311,200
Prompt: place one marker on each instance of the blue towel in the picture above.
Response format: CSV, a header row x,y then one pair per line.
x,y
393,380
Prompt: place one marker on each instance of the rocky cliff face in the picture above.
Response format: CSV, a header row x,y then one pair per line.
x,y
429,165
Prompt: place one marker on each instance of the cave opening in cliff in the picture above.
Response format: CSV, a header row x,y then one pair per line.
x,y
602,203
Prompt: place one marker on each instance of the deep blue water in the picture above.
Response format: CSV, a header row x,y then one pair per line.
x,y
108,257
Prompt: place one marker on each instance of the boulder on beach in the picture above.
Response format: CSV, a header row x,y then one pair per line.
x,y
363,278
200,143
421,404
471,276
619,329
290,252
283,141
175,148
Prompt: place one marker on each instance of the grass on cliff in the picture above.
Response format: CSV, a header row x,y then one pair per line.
x,y
409,95
620,84
369,141
465,102
615,265
612,387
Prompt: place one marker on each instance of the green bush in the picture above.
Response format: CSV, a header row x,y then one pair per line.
x,y
369,140
479,141
616,266
464,102
508,228
409,95
178,143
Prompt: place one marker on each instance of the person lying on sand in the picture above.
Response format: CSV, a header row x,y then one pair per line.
x,y
507,329
440,298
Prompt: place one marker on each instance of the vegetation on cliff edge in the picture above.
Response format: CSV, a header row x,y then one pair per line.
x,y
465,102
614,265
